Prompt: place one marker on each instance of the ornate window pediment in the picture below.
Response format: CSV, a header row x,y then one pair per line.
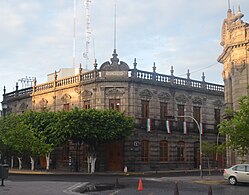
x,y
66,98
115,91
86,94
145,94
181,98
23,106
43,102
218,103
164,96
197,100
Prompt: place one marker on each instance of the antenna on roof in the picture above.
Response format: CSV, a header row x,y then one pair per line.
x,y
74,32
115,24
88,31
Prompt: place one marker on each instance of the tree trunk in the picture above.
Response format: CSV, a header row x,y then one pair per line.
x,y
19,162
47,161
32,161
12,162
91,160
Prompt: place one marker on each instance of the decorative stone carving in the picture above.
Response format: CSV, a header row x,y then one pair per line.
x,y
145,94
115,91
164,96
218,103
23,106
197,100
66,98
181,98
77,90
43,102
86,94
115,65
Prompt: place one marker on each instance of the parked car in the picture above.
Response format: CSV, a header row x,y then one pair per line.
x,y
237,173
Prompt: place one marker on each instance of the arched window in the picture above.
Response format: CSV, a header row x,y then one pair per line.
x,y
145,151
181,151
164,151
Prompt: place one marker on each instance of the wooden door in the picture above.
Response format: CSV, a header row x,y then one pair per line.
x,y
115,156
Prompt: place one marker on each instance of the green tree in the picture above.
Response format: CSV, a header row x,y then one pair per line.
x,y
15,136
236,127
95,127
45,136
209,149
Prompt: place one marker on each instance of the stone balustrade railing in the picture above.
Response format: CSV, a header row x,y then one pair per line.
x,y
133,74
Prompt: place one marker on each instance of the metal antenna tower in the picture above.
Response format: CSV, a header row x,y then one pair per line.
x,y
74,32
88,31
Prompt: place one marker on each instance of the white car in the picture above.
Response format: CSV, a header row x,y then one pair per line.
x,y
237,173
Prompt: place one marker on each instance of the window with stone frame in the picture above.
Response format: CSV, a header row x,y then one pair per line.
x,y
145,109
66,107
181,151
164,151
197,113
114,104
65,151
217,116
163,111
180,112
145,151
180,120
86,104
85,152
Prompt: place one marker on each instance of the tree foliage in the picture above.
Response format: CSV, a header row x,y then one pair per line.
x,y
94,127
38,133
236,127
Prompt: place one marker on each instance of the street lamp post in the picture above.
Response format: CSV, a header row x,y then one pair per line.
x,y
199,128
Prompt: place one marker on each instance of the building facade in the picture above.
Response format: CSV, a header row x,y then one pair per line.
x,y
235,60
160,141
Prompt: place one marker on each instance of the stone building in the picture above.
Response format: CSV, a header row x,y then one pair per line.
x,y
235,60
160,140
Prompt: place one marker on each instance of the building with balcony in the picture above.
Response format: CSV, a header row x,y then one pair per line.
x,y
160,140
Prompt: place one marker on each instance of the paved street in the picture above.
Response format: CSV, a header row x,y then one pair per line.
x,y
59,184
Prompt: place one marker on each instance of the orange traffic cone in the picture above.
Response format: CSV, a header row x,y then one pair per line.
x,y
140,185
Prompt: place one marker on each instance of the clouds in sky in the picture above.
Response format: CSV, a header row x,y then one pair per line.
x,y
37,36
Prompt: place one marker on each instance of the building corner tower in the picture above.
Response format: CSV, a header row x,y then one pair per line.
x,y
235,60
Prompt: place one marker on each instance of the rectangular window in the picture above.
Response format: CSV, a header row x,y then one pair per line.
x,y
114,104
163,151
145,151
180,112
87,104
181,151
197,113
217,116
145,109
65,151
163,110
66,107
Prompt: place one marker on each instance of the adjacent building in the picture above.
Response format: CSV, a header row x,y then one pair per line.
x,y
235,60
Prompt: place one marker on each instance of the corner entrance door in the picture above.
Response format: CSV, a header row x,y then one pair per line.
x,y
115,156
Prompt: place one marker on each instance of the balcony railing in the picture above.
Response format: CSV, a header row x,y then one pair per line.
x,y
175,126
133,74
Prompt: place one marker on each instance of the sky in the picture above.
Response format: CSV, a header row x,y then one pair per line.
x,y
36,36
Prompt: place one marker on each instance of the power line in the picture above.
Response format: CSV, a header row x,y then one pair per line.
x,y
198,70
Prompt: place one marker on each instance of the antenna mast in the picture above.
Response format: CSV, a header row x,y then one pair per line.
x,y
88,31
115,24
74,33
